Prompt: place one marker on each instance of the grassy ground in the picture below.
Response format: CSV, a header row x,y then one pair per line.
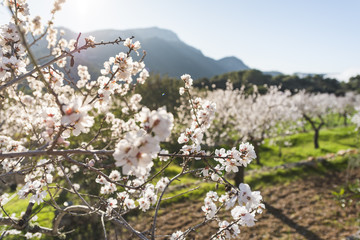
x,y
331,140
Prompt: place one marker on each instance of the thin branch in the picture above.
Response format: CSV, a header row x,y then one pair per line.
x,y
73,188
103,225
120,221
161,196
180,194
37,153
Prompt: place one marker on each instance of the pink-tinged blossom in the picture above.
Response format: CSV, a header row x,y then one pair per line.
x,y
134,153
160,122
224,198
212,195
210,210
144,74
243,215
228,231
232,159
15,64
84,76
115,176
216,176
108,188
144,204
162,183
76,117
188,80
133,46
248,153
129,203
250,199
205,171
112,204
101,180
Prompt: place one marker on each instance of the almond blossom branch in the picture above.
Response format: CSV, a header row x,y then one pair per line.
x,y
63,55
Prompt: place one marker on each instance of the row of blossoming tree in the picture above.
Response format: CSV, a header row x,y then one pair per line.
x,y
254,117
58,132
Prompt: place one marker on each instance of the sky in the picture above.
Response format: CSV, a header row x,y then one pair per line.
x,y
306,36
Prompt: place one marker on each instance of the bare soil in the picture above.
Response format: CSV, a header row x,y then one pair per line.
x,y
302,209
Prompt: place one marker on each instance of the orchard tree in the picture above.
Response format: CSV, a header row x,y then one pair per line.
x,y
248,117
346,105
62,135
356,118
314,108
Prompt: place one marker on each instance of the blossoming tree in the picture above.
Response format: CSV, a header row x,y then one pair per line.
x,y
346,105
314,108
57,131
247,117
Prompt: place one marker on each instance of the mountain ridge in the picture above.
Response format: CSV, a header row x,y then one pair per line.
x,y
166,54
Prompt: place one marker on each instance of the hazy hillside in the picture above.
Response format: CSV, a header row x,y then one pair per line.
x,y
166,53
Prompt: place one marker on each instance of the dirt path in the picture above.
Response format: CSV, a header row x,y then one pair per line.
x,y
303,209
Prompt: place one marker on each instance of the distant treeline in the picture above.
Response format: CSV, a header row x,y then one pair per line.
x,y
311,83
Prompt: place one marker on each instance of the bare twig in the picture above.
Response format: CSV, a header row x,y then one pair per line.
x,y
103,225
73,188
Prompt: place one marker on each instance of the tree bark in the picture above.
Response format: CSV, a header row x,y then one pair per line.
x,y
316,138
345,119
239,176
280,151
256,148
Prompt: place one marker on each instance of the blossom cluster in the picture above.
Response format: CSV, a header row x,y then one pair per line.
x,y
202,114
8,145
244,203
37,181
12,52
134,153
232,159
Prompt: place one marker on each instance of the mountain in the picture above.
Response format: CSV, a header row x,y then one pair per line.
x,y
166,53
231,63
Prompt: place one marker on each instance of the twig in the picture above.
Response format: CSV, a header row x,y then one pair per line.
x,y
180,194
103,225
73,188
161,196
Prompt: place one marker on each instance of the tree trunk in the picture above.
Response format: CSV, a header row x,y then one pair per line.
x,y
256,148
280,152
345,119
239,176
316,138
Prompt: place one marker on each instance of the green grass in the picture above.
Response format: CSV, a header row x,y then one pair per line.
x,y
330,141
284,176
18,206
256,181
196,195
